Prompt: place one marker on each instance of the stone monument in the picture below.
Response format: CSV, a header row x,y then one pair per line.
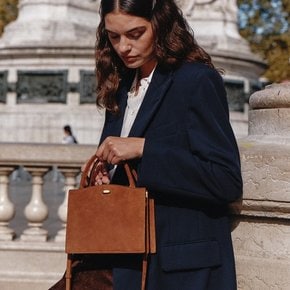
x,y
47,67
215,25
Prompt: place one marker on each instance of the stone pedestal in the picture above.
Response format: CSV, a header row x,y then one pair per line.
x,y
262,229
46,56
52,23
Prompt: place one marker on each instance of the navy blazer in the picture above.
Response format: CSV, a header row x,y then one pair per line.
x,y
191,166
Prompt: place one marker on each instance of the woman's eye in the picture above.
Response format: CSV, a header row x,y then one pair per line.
x,y
134,35
137,33
113,36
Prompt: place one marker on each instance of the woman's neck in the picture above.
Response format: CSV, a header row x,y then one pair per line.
x,y
145,70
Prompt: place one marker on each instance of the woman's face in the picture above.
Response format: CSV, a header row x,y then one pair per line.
x,y
133,40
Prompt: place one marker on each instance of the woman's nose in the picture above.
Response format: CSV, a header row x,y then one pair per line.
x,y
124,45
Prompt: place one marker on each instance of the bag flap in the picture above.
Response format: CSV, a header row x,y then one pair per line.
x,y
106,219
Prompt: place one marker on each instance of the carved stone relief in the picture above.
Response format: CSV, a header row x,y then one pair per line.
x,y
87,87
3,86
41,86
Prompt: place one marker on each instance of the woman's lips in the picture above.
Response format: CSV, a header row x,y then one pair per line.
x,y
129,58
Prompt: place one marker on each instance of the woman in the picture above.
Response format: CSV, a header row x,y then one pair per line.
x,y
167,115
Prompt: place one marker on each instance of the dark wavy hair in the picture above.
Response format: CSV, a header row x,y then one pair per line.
x,y
174,43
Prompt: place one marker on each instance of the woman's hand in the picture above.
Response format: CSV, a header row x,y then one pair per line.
x,y
101,174
117,149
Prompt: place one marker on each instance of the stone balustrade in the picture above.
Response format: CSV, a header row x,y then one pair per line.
x,y
33,258
37,160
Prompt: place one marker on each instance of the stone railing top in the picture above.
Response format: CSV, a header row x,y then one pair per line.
x,y
16,154
273,96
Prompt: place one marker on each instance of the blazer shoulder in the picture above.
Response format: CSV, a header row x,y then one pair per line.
x,y
198,74
196,70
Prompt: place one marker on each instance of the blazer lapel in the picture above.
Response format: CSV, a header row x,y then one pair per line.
x,y
156,91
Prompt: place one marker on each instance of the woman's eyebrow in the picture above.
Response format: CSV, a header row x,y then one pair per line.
x,y
129,31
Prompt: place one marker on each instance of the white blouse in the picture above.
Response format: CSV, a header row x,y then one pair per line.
x,y
134,101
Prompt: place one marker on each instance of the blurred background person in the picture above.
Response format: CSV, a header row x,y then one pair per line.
x,y
68,137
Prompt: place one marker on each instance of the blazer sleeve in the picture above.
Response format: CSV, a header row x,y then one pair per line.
x,y
206,166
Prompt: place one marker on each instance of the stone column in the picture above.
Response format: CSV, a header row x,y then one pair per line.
x,y
7,208
70,175
36,211
262,229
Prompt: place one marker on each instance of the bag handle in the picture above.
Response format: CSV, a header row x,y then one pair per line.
x,y
91,170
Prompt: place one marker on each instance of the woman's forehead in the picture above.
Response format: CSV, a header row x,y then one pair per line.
x,y
118,21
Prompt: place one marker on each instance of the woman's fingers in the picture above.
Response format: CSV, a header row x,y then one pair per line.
x,y
102,176
105,180
117,149
104,149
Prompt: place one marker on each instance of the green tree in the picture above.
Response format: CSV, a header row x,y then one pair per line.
x,y
265,24
8,12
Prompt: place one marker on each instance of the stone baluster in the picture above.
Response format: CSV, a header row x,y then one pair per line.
x,y
7,208
70,175
36,211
